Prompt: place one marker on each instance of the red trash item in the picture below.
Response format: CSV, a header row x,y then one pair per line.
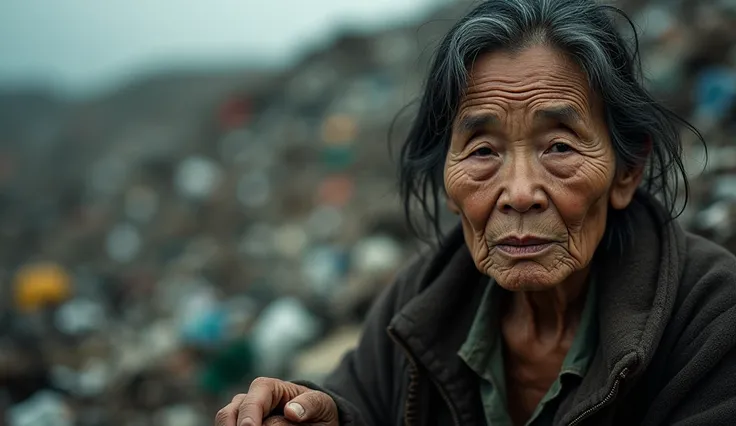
x,y
336,191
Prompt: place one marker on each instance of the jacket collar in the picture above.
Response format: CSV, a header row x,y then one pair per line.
x,y
434,324
637,291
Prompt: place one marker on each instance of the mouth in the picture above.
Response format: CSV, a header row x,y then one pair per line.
x,y
523,246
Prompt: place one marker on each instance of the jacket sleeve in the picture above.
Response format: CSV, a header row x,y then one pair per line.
x,y
365,382
706,377
701,365
712,400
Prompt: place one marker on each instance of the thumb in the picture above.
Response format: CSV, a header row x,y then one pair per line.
x,y
313,407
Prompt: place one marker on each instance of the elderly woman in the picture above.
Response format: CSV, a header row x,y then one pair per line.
x,y
567,295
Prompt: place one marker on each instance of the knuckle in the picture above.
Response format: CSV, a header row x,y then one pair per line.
x,y
249,406
315,399
222,415
239,397
261,381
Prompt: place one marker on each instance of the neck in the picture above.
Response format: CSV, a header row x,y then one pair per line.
x,y
551,314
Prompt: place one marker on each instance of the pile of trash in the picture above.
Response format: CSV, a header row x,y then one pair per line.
x,y
165,244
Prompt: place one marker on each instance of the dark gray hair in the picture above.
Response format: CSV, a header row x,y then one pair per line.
x,y
641,129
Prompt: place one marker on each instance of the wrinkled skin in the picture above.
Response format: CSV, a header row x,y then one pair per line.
x,y
266,397
519,171
530,157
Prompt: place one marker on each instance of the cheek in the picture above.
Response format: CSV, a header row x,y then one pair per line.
x,y
471,194
476,244
582,198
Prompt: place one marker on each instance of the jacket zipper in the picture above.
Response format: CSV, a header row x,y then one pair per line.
x,y
443,394
415,365
611,394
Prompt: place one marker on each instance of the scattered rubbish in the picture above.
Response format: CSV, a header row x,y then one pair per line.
x,y
283,327
377,255
41,285
43,408
166,244
123,243
141,203
197,177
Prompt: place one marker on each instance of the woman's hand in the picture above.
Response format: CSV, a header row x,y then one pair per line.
x,y
300,405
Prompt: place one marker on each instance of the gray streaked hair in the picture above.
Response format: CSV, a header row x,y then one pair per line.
x,y
642,130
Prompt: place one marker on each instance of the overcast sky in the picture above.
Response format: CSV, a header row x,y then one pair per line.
x,y
86,44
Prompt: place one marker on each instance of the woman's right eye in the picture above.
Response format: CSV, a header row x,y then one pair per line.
x,y
483,152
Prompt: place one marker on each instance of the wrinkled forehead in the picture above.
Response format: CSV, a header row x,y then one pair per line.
x,y
531,81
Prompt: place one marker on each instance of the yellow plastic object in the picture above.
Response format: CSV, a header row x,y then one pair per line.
x,y
41,284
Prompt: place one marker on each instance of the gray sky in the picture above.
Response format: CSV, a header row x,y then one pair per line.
x,y
87,44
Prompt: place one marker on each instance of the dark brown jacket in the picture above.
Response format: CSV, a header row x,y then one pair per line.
x,y
666,354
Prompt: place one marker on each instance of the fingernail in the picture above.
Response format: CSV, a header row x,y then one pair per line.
x,y
248,422
297,408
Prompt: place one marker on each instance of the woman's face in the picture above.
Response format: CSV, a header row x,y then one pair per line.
x,y
531,169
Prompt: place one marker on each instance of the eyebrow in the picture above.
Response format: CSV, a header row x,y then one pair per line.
x,y
473,123
564,114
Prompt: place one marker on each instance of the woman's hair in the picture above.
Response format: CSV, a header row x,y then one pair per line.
x,y
641,129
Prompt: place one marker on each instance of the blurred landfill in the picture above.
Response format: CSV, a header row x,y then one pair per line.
x,y
164,244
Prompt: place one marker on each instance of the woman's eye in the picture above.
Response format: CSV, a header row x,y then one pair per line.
x,y
483,152
559,148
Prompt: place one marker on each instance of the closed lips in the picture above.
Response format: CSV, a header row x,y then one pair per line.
x,y
523,241
521,246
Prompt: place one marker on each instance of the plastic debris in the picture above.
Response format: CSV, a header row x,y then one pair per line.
x,y
282,327
197,177
40,285
180,415
376,255
715,92
324,269
290,240
336,191
339,130
80,316
43,408
123,243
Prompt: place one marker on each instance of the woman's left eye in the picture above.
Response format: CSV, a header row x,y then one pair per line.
x,y
559,148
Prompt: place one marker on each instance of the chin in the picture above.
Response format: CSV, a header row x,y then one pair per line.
x,y
528,276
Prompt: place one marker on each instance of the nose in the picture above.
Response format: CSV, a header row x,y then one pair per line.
x,y
521,190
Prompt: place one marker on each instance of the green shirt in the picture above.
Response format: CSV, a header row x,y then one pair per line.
x,y
483,353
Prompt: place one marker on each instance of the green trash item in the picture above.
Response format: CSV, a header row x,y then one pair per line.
x,y
338,157
227,367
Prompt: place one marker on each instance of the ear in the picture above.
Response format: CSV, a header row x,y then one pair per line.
x,y
626,181
624,187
